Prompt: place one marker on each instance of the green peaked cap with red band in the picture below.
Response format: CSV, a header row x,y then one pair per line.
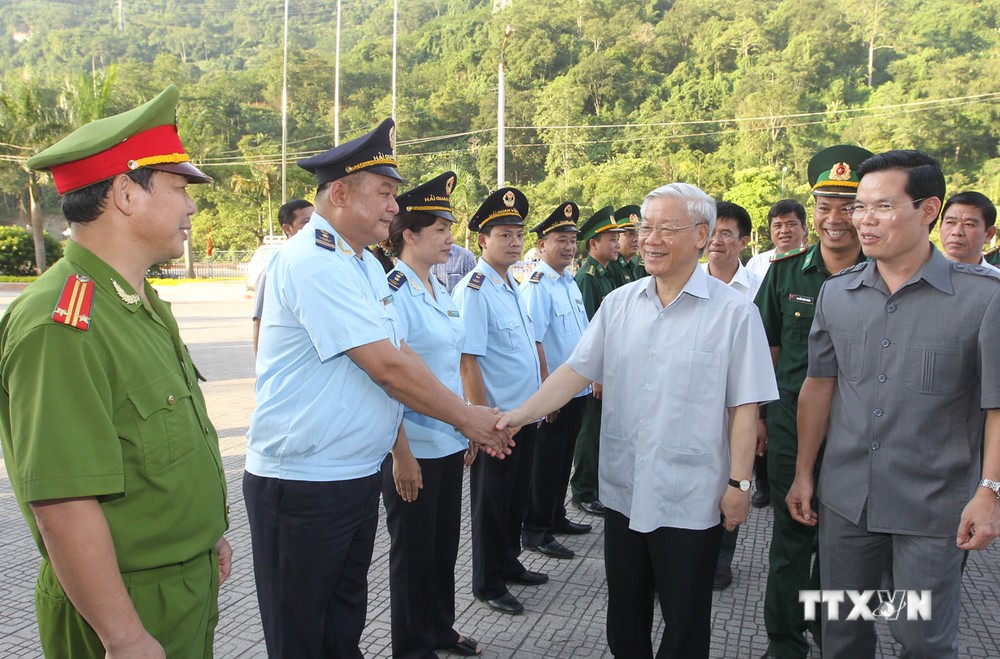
x,y
143,137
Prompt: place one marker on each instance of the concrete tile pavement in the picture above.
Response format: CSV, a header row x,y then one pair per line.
x,y
563,619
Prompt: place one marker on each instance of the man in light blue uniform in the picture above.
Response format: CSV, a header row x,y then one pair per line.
x,y
500,368
555,305
329,366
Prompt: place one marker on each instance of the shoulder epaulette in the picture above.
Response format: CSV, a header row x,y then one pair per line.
x,y
591,270
396,279
75,302
476,281
857,267
326,240
976,269
992,250
536,276
789,255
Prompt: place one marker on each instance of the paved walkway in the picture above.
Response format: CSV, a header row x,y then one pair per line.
x,y
564,618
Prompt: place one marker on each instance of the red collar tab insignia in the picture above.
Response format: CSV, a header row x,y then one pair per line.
x,y
449,186
536,276
508,199
476,281
568,211
75,302
840,172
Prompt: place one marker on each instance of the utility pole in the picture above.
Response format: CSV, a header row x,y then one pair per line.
x,y
121,15
336,85
284,110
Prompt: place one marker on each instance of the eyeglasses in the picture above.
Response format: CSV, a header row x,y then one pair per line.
x,y
881,212
725,236
665,233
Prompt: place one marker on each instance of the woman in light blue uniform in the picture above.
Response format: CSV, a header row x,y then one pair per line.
x,y
422,477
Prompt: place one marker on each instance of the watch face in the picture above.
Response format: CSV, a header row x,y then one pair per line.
x,y
744,485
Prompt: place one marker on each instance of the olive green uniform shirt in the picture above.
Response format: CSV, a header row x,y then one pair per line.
x,y
595,282
112,411
636,268
621,271
787,303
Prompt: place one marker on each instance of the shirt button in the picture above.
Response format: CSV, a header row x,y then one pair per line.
x,y
881,377
890,307
979,268
878,411
875,446
798,314
885,343
648,387
171,400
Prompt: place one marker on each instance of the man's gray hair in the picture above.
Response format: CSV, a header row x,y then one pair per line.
x,y
700,207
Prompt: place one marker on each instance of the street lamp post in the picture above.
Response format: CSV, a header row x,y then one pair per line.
x,y
501,164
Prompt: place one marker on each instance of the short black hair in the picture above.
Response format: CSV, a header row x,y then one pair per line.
x,y
728,210
787,207
86,204
977,199
924,178
286,214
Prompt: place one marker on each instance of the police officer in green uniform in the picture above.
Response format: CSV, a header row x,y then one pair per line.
x,y
787,301
628,267
106,438
600,235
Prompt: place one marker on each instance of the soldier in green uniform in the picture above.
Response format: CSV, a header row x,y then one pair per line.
x,y
106,438
787,301
628,265
600,235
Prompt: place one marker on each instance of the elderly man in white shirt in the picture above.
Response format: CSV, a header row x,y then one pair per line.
x,y
684,363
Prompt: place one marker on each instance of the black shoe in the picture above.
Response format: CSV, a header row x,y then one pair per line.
x,y
572,528
768,655
723,577
528,578
760,499
506,603
553,548
594,507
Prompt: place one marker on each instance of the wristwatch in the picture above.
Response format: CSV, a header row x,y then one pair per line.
x,y
987,483
744,485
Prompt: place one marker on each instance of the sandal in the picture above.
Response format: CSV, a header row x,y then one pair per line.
x,y
465,646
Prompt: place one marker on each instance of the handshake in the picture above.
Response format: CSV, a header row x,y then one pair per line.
x,y
490,430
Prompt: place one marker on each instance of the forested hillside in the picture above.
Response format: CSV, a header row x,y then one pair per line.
x,y
605,98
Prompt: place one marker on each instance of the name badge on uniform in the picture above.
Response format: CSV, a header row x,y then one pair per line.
x,y
387,300
802,299
579,302
452,313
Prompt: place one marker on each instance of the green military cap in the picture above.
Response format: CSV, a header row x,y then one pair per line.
x,y
600,222
143,137
627,216
833,172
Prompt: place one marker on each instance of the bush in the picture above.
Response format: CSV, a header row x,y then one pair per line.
x,y
17,251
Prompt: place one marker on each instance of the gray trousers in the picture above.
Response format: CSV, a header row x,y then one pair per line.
x,y
852,558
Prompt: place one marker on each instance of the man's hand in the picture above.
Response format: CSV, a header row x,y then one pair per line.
x,y
406,474
470,454
799,501
138,645
225,553
511,421
761,437
735,507
980,522
480,427
598,390
551,417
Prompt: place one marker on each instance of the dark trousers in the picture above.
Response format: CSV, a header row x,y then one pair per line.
x,y
424,546
586,457
312,546
727,548
675,564
791,563
553,463
499,496
760,473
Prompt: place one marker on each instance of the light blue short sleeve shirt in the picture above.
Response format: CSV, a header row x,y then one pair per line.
x,y
669,375
433,328
555,305
499,332
319,416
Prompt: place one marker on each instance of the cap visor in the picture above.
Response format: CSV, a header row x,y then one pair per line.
x,y
846,193
185,169
444,215
386,170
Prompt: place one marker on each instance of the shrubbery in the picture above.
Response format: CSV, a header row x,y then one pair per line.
x,y
17,251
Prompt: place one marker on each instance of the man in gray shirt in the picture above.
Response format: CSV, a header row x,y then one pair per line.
x,y
897,384
684,362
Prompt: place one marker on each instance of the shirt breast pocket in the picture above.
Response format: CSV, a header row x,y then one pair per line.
x,y
168,426
850,355
563,319
510,334
797,316
934,368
